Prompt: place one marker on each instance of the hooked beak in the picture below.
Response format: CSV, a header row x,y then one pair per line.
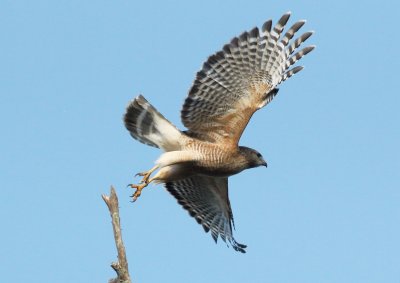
x,y
265,164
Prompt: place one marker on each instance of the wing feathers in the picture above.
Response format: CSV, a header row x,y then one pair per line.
x,y
206,199
296,57
278,28
236,80
266,27
297,42
291,72
290,33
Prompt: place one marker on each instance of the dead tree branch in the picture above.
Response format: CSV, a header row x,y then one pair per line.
x,y
121,266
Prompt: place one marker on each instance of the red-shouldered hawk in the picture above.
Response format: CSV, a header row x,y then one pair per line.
x,y
232,84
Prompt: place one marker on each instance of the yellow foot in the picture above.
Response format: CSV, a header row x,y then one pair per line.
x,y
145,181
145,175
138,191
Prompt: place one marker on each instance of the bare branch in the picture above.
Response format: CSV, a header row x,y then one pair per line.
x,y
120,267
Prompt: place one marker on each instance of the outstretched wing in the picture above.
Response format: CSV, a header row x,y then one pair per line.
x,y
240,79
206,199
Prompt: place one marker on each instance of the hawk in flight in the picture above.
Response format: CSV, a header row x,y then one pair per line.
x,y
232,84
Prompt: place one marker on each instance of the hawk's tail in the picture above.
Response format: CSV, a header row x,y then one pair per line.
x,y
148,126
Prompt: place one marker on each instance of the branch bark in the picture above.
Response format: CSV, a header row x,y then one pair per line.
x,y
121,266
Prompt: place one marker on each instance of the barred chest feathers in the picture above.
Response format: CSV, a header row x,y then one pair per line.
x,y
206,159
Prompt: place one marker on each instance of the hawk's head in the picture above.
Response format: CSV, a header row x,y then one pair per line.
x,y
253,157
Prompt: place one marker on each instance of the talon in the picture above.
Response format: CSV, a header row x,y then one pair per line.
x,y
140,174
135,196
143,183
138,191
145,175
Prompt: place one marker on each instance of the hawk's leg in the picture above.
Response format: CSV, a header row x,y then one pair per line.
x,y
146,175
145,181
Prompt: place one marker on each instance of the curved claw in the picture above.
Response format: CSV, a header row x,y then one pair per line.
x,y
133,186
146,175
138,191
135,197
140,174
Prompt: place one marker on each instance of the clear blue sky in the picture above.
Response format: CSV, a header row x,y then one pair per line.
x,y
327,209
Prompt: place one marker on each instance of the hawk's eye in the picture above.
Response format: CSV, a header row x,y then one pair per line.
x,y
258,155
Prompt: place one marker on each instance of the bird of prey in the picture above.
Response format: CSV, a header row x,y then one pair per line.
x,y
230,87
